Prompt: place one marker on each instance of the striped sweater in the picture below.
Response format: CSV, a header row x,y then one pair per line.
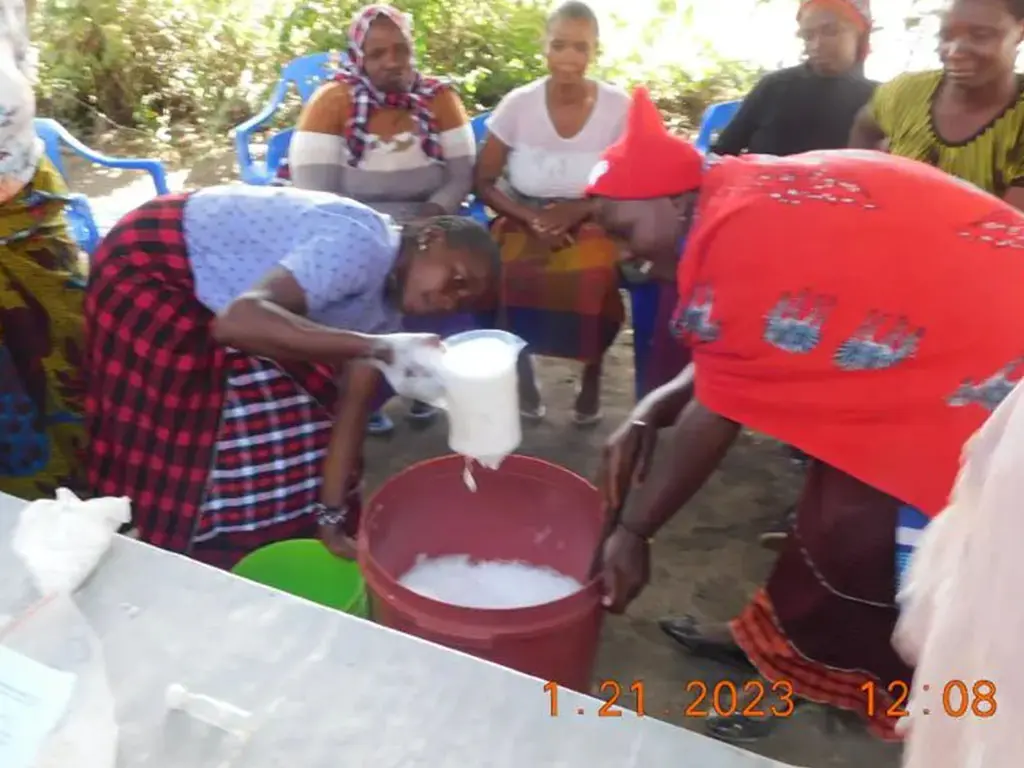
x,y
395,176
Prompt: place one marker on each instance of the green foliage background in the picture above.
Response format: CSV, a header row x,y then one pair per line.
x,y
205,65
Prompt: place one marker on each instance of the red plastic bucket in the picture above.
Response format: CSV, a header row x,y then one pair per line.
x,y
529,510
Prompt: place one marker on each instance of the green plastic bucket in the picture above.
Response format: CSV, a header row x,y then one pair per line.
x,y
304,568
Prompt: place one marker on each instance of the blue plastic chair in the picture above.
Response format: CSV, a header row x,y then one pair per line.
x,y
715,118
474,207
79,214
479,125
277,149
306,73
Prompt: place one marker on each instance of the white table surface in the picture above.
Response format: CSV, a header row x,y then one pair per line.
x,y
332,691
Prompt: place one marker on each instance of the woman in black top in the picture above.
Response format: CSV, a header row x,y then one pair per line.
x,y
813,105
799,109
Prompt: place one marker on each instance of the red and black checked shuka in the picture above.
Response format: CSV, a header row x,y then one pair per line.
x,y
220,452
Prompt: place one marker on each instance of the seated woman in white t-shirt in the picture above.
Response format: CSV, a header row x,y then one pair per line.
x,y
559,287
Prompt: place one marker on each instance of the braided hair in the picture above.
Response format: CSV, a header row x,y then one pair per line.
x,y
460,233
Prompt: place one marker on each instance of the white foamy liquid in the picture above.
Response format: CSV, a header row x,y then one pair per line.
x,y
478,358
481,384
467,475
457,580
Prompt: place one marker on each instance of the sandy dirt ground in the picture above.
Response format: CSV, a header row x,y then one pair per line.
x,y
706,561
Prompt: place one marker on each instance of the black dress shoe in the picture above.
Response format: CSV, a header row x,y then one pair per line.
x,y
744,729
775,537
739,729
686,631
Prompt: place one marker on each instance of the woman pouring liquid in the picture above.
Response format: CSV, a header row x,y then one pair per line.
x,y
230,341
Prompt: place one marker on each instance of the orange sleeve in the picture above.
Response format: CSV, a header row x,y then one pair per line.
x,y
327,111
449,111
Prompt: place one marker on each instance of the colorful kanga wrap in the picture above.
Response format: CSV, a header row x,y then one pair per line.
x,y
865,309
41,291
563,303
876,324
220,452
824,620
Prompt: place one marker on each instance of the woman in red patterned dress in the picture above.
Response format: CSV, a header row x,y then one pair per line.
x,y
860,307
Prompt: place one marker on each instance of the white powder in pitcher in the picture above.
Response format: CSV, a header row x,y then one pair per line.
x,y
457,580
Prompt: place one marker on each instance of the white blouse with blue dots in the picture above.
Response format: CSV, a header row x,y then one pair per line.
x,y
339,251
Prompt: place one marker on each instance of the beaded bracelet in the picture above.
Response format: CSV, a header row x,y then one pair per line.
x,y
329,515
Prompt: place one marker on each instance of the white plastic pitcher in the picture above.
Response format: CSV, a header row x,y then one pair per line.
x,y
481,394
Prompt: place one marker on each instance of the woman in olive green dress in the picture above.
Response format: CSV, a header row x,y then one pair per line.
x,y
967,118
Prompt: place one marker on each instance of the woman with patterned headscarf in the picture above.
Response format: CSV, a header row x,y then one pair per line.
x,y
383,133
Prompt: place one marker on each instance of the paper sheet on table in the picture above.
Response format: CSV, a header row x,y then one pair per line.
x,y
33,698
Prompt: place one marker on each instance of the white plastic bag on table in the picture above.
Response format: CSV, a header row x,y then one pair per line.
x,y
60,542
55,633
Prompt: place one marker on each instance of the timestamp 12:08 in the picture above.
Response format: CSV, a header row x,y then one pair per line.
x,y
957,698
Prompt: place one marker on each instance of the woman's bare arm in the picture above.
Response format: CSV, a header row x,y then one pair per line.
x,y
696,445
490,164
661,407
357,390
269,321
866,133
